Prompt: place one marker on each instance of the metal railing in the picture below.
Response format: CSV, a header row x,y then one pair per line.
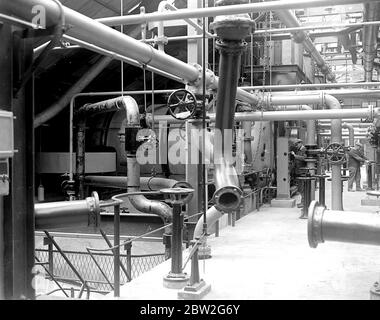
x,y
94,274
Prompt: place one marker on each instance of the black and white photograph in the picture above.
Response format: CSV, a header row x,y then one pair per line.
x,y
185,158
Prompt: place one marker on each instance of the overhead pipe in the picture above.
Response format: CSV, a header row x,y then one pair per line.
x,y
291,21
351,133
77,87
303,86
357,113
54,215
370,33
342,226
234,9
341,93
88,30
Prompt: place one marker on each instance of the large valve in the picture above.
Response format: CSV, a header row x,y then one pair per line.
x,y
182,104
335,153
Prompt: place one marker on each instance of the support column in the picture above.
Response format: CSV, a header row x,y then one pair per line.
x,y
19,205
283,199
5,104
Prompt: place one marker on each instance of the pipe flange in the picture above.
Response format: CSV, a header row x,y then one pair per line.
x,y
314,224
196,83
94,209
299,36
227,199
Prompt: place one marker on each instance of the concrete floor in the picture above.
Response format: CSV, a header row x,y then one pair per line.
x,y
267,256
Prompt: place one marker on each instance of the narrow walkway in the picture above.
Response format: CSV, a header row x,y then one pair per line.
x,y
267,256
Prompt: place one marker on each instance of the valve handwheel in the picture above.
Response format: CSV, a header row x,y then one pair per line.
x,y
335,153
182,104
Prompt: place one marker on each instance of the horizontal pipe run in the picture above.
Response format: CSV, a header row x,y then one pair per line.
x,y
342,226
283,115
222,10
146,183
54,215
313,86
341,93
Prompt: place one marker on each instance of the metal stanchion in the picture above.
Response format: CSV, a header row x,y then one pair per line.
x,y
322,188
176,279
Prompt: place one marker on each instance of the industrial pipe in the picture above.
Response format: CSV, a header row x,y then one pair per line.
x,y
312,86
88,110
146,183
231,31
86,29
336,137
53,215
365,113
77,87
223,10
351,133
212,216
341,93
342,226
291,21
370,33
140,202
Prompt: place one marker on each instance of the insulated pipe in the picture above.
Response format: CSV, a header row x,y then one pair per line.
x,y
77,87
351,133
342,226
146,183
52,215
86,29
88,110
291,21
223,10
285,115
370,33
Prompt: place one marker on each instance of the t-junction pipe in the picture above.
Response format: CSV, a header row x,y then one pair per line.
x,y
342,226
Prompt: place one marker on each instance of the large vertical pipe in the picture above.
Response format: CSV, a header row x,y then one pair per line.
x,y
336,174
231,32
370,33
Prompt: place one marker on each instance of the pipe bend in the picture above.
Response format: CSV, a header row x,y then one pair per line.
x,y
212,216
145,205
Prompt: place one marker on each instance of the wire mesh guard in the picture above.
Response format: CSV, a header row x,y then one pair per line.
x,y
87,268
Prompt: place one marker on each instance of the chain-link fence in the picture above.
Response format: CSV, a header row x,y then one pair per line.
x,y
90,272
